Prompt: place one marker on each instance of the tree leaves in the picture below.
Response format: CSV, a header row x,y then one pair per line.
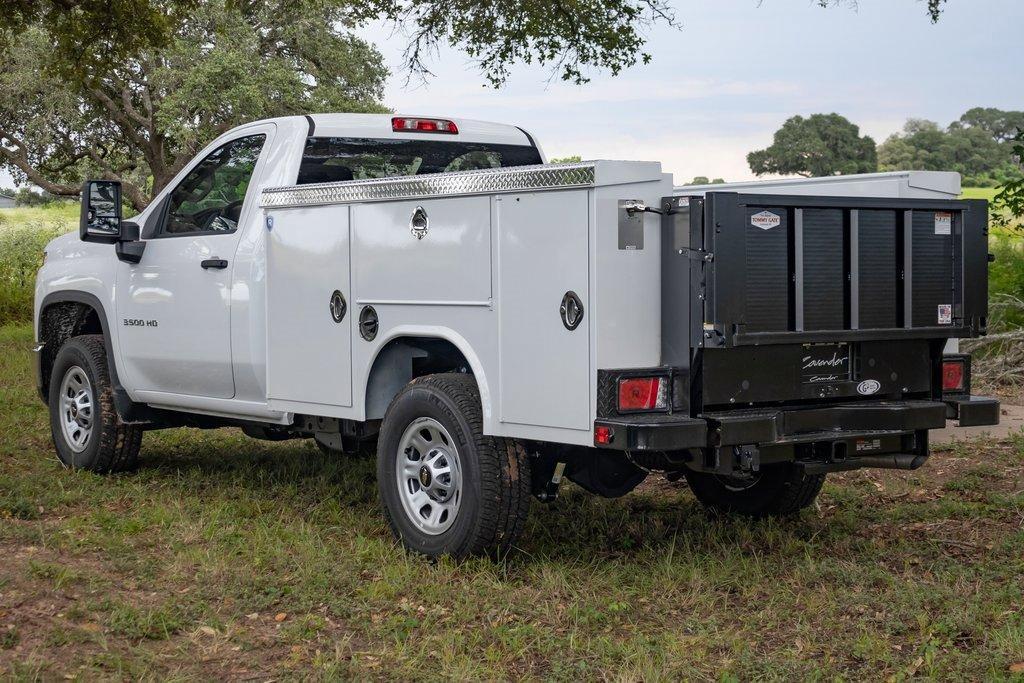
x,y
934,7
571,37
970,146
141,118
1009,203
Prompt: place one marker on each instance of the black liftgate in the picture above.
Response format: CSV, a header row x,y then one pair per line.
x,y
863,289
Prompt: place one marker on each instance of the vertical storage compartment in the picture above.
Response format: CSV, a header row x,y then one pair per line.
x,y
309,352
543,254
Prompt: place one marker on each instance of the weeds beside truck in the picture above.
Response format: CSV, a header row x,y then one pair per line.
x,y
487,324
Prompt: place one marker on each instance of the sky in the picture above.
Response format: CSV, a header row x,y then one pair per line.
x,y
721,85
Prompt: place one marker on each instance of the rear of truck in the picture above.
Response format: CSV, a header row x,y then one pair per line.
x,y
804,333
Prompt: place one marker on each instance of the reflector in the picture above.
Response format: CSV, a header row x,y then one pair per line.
x,y
643,393
952,375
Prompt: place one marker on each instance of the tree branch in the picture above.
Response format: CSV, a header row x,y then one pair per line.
x,y
135,195
21,162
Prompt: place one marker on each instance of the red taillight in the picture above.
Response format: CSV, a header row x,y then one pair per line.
x,y
603,435
402,124
953,375
643,393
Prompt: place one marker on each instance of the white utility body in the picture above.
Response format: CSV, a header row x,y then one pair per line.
x,y
432,287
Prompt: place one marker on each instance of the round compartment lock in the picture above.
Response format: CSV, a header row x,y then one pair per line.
x,y
368,323
338,306
419,223
571,311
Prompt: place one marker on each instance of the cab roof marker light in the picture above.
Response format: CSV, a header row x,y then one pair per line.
x,y
405,124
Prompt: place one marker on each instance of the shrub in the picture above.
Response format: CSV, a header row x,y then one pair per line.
x,y
21,254
1006,276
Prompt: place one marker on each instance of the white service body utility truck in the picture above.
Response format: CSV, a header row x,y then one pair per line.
x,y
432,291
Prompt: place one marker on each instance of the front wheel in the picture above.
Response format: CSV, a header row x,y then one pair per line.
x,y
87,432
779,489
446,488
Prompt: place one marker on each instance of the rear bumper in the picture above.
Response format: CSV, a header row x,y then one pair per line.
x,y
972,411
765,427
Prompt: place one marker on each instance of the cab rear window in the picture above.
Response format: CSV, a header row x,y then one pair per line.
x,y
329,159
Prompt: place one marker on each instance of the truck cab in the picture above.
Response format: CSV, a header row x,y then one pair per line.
x,y
429,289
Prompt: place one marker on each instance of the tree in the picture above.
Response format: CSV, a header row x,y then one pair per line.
x,y
131,89
140,120
973,150
819,145
704,180
1009,203
1003,126
569,36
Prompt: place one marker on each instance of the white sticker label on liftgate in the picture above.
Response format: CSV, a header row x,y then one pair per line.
x,y
766,220
868,387
943,223
945,314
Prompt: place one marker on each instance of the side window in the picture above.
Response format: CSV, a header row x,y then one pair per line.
x,y
210,197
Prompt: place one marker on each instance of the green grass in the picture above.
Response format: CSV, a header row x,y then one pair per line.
x,y
63,213
223,557
988,193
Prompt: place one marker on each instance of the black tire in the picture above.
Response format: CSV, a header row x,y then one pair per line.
x,y
110,445
781,489
495,472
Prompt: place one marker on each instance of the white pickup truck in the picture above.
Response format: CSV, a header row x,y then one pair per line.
x,y
432,291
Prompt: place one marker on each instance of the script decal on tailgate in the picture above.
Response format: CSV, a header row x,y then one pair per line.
x,y
825,363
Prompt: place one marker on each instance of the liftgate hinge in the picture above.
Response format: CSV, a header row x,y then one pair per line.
x,y
696,254
633,207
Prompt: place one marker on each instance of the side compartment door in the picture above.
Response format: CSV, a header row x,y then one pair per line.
x,y
544,255
309,306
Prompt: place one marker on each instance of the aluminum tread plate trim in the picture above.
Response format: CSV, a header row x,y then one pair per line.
x,y
512,179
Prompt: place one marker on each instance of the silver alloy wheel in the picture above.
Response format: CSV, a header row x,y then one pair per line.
x,y
429,476
77,413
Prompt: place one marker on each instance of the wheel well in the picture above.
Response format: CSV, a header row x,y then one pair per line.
x,y
403,359
59,322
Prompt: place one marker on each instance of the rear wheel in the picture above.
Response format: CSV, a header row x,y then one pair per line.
x,y
87,432
446,488
780,489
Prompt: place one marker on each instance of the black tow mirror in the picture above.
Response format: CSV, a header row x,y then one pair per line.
x,y
100,219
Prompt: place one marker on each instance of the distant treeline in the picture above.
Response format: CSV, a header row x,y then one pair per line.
x,y
978,145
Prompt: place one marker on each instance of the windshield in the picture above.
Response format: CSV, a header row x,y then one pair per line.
x,y
327,160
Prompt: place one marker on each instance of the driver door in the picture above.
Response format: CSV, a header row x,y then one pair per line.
x,y
174,307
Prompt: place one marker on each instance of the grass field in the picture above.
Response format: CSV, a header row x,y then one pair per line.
x,y
223,557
